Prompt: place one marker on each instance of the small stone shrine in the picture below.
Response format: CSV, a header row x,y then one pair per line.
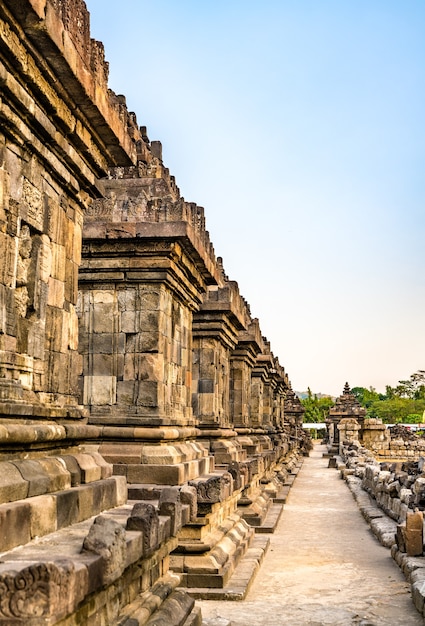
x,y
346,407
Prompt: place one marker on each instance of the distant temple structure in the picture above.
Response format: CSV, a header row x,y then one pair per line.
x,y
346,407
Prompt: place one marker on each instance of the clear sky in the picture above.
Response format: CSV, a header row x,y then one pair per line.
x,y
299,125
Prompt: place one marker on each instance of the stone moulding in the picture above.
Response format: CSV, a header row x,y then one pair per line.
x,y
73,54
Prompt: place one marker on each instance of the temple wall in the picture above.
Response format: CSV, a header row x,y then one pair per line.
x,y
50,159
146,428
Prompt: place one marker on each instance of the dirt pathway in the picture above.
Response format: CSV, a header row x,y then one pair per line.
x,y
324,566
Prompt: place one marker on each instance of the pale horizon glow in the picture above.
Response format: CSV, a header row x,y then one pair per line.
x,y
299,126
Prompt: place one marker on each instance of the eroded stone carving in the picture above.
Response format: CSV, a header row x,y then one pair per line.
x,y
107,539
213,489
39,590
144,517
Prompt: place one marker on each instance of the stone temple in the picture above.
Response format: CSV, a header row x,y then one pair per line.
x,y
148,433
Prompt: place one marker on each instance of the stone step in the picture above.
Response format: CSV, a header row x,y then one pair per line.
x,y
282,495
271,520
239,583
289,480
110,551
24,520
162,604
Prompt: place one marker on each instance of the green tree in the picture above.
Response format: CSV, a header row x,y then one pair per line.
x,y
403,403
367,397
413,388
395,410
316,409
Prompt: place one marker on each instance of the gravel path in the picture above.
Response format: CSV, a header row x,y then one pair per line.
x,y
323,567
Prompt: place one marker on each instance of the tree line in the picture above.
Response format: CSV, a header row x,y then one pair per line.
x,y
404,403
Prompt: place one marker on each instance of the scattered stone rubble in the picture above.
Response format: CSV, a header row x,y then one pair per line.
x,y
391,497
148,434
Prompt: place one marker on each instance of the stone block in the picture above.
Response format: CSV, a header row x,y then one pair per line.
x,y
129,321
103,319
164,529
41,590
175,609
15,525
71,284
58,265
121,453
125,392
67,507
86,502
144,518
99,390
201,565
414,534
36,476
188,496
102,364
150,341
170,505
157,474
161,455
108,492
90,470
73,469
56,469
56,294
105,468
107,539
12,484
108,343
42,515
121,489
147,393
149,321
418,596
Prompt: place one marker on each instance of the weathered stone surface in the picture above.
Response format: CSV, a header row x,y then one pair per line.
x,y
170,505
144,517
12,484
37,593
107,538
414,534
15,525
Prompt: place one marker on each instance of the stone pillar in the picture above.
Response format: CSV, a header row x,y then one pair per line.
x,y
348,428
258,377
215,329
265,364
294,410
279,403
242,362
144,270
49,160
376,436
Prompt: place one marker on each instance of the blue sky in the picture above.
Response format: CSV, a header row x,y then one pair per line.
x,y
299,125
